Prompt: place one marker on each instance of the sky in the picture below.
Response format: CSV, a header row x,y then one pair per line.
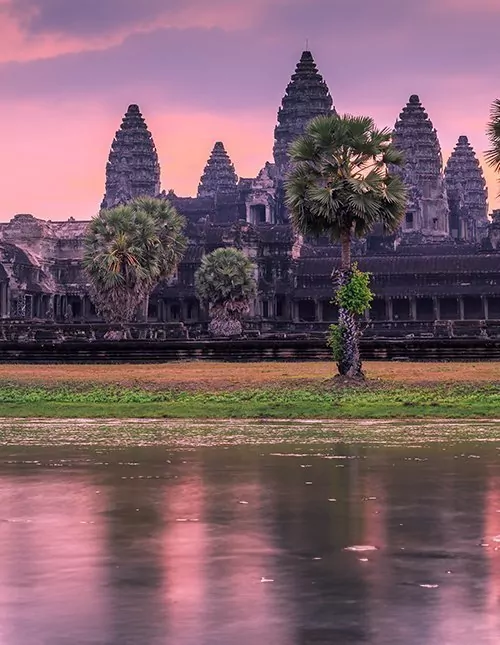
x,y
206,71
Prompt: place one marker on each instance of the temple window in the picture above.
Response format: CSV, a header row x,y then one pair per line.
x,y
265,309
378,309
28,312
435,223
449,309
473,308
258,214
307,311
279,307
494,308
425,309
409,220
401,309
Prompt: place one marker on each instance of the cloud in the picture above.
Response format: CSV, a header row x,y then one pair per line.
x,y
85,18
44,29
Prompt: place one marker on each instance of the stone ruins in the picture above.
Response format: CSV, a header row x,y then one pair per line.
x,y
443,265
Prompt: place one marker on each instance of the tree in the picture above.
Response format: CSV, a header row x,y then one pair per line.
x,y
225,282
128,250
492,155
340,186
169,226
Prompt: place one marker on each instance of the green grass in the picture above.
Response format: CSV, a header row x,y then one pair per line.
x,y
368,402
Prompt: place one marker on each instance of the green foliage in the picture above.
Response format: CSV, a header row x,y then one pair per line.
x,y
340,182
393,401
226,280
128,250
335,341
492,155
355,295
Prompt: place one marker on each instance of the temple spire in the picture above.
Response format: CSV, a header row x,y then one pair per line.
x,y
467,193
307,96
422,172
219,176
133,169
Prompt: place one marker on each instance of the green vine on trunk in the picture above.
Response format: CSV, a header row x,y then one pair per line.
x,y
335,341
355,294
353,297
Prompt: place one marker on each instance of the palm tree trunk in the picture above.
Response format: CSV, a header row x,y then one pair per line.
x,y
349,364
345,245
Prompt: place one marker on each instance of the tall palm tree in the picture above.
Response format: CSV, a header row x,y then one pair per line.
x,y
492,155
340,186
225,282
127,252
169,226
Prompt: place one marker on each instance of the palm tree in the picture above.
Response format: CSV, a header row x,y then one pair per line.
x,y
169,226
492,156
128,250
225,282
340,186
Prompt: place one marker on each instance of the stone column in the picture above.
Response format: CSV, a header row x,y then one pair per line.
x,y
268,214
486,312
318,311
437,311
389,309
3,299
461,308
413,308
50,307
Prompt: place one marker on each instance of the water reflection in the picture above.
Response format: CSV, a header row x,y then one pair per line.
x,y
246,545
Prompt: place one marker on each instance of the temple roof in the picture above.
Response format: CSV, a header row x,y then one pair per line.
x,y
307,96
465,181
416,137
133,169
393,265
219,176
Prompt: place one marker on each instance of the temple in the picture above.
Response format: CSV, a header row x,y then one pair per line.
x,y
441,268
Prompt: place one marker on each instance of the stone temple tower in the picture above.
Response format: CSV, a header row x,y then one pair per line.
x,y
219,176
467,194
133,169
427,211
306,97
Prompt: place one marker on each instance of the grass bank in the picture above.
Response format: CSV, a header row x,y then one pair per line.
x,y
260,390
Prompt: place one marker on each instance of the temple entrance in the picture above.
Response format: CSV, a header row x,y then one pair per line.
x,y
401,309
449,309
330,311
494,308
378,310
473,308
307,311
258,214
425,309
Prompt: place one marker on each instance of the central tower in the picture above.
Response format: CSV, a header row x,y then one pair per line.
x,y
307,96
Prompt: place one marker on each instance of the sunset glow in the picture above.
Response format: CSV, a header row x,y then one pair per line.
x,y
69,70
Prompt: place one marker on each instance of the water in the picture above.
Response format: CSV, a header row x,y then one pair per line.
x,y
250,544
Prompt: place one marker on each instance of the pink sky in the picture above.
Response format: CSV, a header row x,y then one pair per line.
x,y
205,72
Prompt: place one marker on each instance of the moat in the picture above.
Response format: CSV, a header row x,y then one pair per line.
x,y
383,541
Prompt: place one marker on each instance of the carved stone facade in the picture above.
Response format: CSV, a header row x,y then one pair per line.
x,y
219,177
307,96
428,213
467,193
133,169
454,278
